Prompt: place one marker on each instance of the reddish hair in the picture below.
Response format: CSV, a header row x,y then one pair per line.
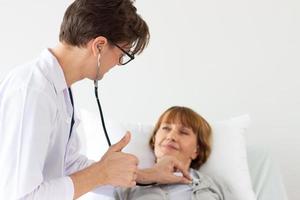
x,y
189,118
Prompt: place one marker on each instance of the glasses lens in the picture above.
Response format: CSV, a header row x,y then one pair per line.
x,y
124,59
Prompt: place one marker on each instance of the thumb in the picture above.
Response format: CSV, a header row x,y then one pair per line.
x,y
180,179
185,180
122,143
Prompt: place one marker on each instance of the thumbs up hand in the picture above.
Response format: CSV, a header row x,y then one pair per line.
x,y
121,144
117,168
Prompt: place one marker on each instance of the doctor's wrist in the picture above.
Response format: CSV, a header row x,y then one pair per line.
x,y
86,180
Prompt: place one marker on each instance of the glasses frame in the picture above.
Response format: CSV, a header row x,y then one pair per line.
x,y
131,56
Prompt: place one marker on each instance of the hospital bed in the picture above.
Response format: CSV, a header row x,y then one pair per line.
x,y
264,172
265,175
266,179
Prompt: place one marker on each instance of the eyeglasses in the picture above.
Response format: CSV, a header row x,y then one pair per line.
x,y
126,57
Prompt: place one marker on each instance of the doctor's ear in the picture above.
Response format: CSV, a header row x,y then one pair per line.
x,y
98,44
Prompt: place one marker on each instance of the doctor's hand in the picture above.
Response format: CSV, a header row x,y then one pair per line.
x,y
117,168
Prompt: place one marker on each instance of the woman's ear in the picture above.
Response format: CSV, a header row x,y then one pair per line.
x,y
153,140
196,153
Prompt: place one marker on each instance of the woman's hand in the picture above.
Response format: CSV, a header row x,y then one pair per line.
x,y
163,172
165,169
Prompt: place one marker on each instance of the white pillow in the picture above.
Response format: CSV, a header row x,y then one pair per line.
x,y
228,159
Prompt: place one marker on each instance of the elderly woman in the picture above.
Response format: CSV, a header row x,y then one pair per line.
x,y
182,135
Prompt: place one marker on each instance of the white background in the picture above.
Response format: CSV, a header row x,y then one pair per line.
x,y
222,58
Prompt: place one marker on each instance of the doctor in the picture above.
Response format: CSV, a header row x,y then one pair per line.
x,y
39,156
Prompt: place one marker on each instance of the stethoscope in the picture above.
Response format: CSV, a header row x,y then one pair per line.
x,y
102,117
101,113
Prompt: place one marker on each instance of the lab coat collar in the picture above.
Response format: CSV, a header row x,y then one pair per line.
x,y
53,70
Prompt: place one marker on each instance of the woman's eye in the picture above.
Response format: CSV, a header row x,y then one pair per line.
x,y
165,128
184,132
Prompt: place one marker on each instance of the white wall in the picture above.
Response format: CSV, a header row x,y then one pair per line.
x,y
222,58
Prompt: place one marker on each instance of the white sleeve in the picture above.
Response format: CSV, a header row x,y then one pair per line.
x,y
58,189
74,160
26,119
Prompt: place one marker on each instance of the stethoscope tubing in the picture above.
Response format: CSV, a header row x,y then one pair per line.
x,y
101,115
104,127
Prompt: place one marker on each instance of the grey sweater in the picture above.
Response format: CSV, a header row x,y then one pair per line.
x,y
202,188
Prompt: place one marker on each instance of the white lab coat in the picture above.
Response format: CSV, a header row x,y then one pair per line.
x,y
36,154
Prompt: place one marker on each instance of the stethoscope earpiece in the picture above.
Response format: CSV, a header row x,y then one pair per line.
x,y
99,49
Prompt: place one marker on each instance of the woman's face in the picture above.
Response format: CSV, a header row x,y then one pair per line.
x,y
174,139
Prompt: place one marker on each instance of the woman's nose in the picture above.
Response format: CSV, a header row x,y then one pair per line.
x,y
172,135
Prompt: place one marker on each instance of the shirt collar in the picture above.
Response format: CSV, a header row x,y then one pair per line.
x,y
53,70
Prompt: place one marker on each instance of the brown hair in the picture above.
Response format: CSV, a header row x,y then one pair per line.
x,y
193,120
116,20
